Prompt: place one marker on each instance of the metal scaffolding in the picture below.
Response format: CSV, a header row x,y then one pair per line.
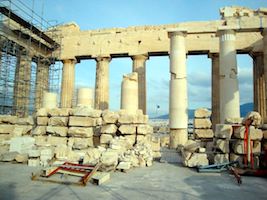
x,y
26,39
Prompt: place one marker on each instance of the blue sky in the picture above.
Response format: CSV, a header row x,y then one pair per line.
x,y
97,14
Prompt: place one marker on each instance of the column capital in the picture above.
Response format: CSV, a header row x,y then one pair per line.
x,y
255,54
104,59
213,55
223,30
177,31
69,61
44,61
143,57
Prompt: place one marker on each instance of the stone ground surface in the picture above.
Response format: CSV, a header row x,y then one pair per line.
x,y
161,181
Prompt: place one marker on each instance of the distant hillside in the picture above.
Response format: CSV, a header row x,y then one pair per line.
x,y
244,109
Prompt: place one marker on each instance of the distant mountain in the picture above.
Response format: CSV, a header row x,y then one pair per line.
x,y
244,109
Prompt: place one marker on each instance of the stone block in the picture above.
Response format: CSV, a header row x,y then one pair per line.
x,y
21,158
61,152
6,128
80,143
34,153
202,113
238,147
202,123
105,138
141,119
57,130
255,134
34,162
203,133
144,129
84,111
42,112
110,117
132,118
81,132
82,121
164,141
221,158
8,119
197,159
25,121
21,144
9,156
58,112
126,118
46,156
155,146
55,141
109,129
39,130
255,117
109,158
127,129
100,177
58,121
4,138
201,150
124,166
222,145
223,131
41,141
191,145
131,139
92,156
231,120
42,121
20,130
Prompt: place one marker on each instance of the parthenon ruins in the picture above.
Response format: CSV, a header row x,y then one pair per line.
x,y
46,120
239,31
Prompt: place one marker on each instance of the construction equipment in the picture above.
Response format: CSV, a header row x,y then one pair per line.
x,y
80,170
215,168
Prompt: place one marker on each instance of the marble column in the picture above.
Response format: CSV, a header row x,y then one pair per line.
x,y
215,89
22,85
85,97
139,66
67,85
229,90
102,83
129,93
264,34
42,81
259,85
178,105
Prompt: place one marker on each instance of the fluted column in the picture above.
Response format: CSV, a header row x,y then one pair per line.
x,y
42,81
259,85
215,89
139,66
67,85
178,104
22,85
229,90
264,34
102,83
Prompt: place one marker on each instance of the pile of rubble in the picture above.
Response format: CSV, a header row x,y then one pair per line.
x,y
229,141
116,139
